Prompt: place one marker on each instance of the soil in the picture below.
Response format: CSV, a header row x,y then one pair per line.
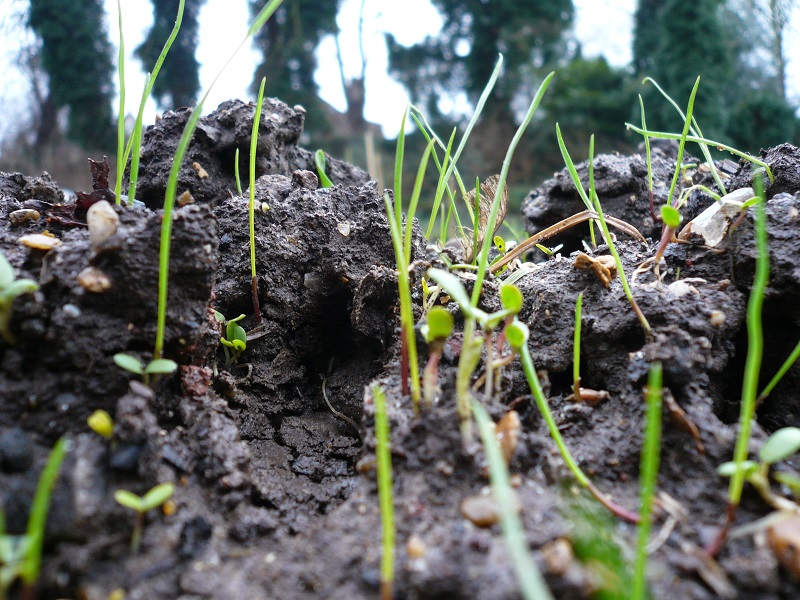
x,y
276,495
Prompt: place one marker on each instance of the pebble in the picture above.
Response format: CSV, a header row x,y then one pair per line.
x,y
39,241
103,222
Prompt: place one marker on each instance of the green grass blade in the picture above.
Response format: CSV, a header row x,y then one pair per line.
x,y
682,142
412,205
251,206
236,173
648,156
648,478
781,372
121,159
483,261
530,580
383,458
39,509
399,157
576,348
573,172
172,183
755,344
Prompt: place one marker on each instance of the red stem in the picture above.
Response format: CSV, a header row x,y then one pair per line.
x,y
256,303
718,542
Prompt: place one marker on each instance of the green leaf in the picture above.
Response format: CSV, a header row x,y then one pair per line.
x,y
239,345
789,480
239,318
158,495
500,243
453,286
511,298
161,366
319,161
225,342
128,500
780,445
517,334
440,324
6,272
19,287
129,363
727,469
672,218
234,333
219,316
101,423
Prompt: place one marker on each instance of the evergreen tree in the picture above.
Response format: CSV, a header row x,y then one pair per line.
x,y
646,33
77,57
462,56
288,42
178,82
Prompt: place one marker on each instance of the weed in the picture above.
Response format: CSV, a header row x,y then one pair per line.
x,y
101,423
755,352
530,580
121,111
157,366
792,358
142,505
779,446
648,478
251,209
436,331
576,350
319,162
236,173
21,556
383,457
234,341
172,182
10,288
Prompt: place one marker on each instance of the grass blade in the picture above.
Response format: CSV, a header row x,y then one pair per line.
x,y
251,211
383,457
121,113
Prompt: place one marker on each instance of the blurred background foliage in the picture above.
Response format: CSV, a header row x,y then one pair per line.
x,y
736,46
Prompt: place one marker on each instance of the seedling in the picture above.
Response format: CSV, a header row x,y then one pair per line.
x,y
142,505
158,366
530,580
779,446
251,206
10,288
779,375
101,423
436,331
383,458
236,173
21,556
319,162
576,350
234,342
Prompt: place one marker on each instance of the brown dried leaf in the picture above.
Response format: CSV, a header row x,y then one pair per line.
x,y
488,190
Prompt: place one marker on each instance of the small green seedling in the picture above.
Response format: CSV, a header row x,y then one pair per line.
x,y
436,331
12,558
319,161
779,446
101,423
142,504
158,366
234,342
10,288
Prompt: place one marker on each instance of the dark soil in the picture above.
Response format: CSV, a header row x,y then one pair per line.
x,y
276,496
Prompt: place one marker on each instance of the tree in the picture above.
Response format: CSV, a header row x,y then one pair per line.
x,y
179,80
462,56
77,57
690,41
288,42
646,34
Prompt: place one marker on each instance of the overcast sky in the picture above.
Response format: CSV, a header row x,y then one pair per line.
x,y
602,26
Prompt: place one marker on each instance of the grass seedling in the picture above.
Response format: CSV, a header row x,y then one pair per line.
x,y
142,505
531,582
755,352
251,209
234,342
401,242
134,146
10,288
319,162
101,423
779,446
436,331
779,375
576,180
121,112
236,173
648,478
32,562
157,366
172,182
383,458
576,350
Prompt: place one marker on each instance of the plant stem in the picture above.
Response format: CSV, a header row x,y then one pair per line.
x,y
648,478
136,536
779,375
576,350
383,458
251,206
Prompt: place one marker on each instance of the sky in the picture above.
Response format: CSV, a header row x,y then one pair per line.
x,y
602,26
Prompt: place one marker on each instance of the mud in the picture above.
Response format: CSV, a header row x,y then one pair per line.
x,y
276,495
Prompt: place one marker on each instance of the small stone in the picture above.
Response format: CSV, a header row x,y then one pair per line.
x,y
507,434
344,228
16,453
481,510
94,280
201,172
23,215
717,318
415,547
558,556
39,241
185,198
305,179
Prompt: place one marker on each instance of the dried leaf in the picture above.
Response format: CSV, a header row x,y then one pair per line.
x,y
488,190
